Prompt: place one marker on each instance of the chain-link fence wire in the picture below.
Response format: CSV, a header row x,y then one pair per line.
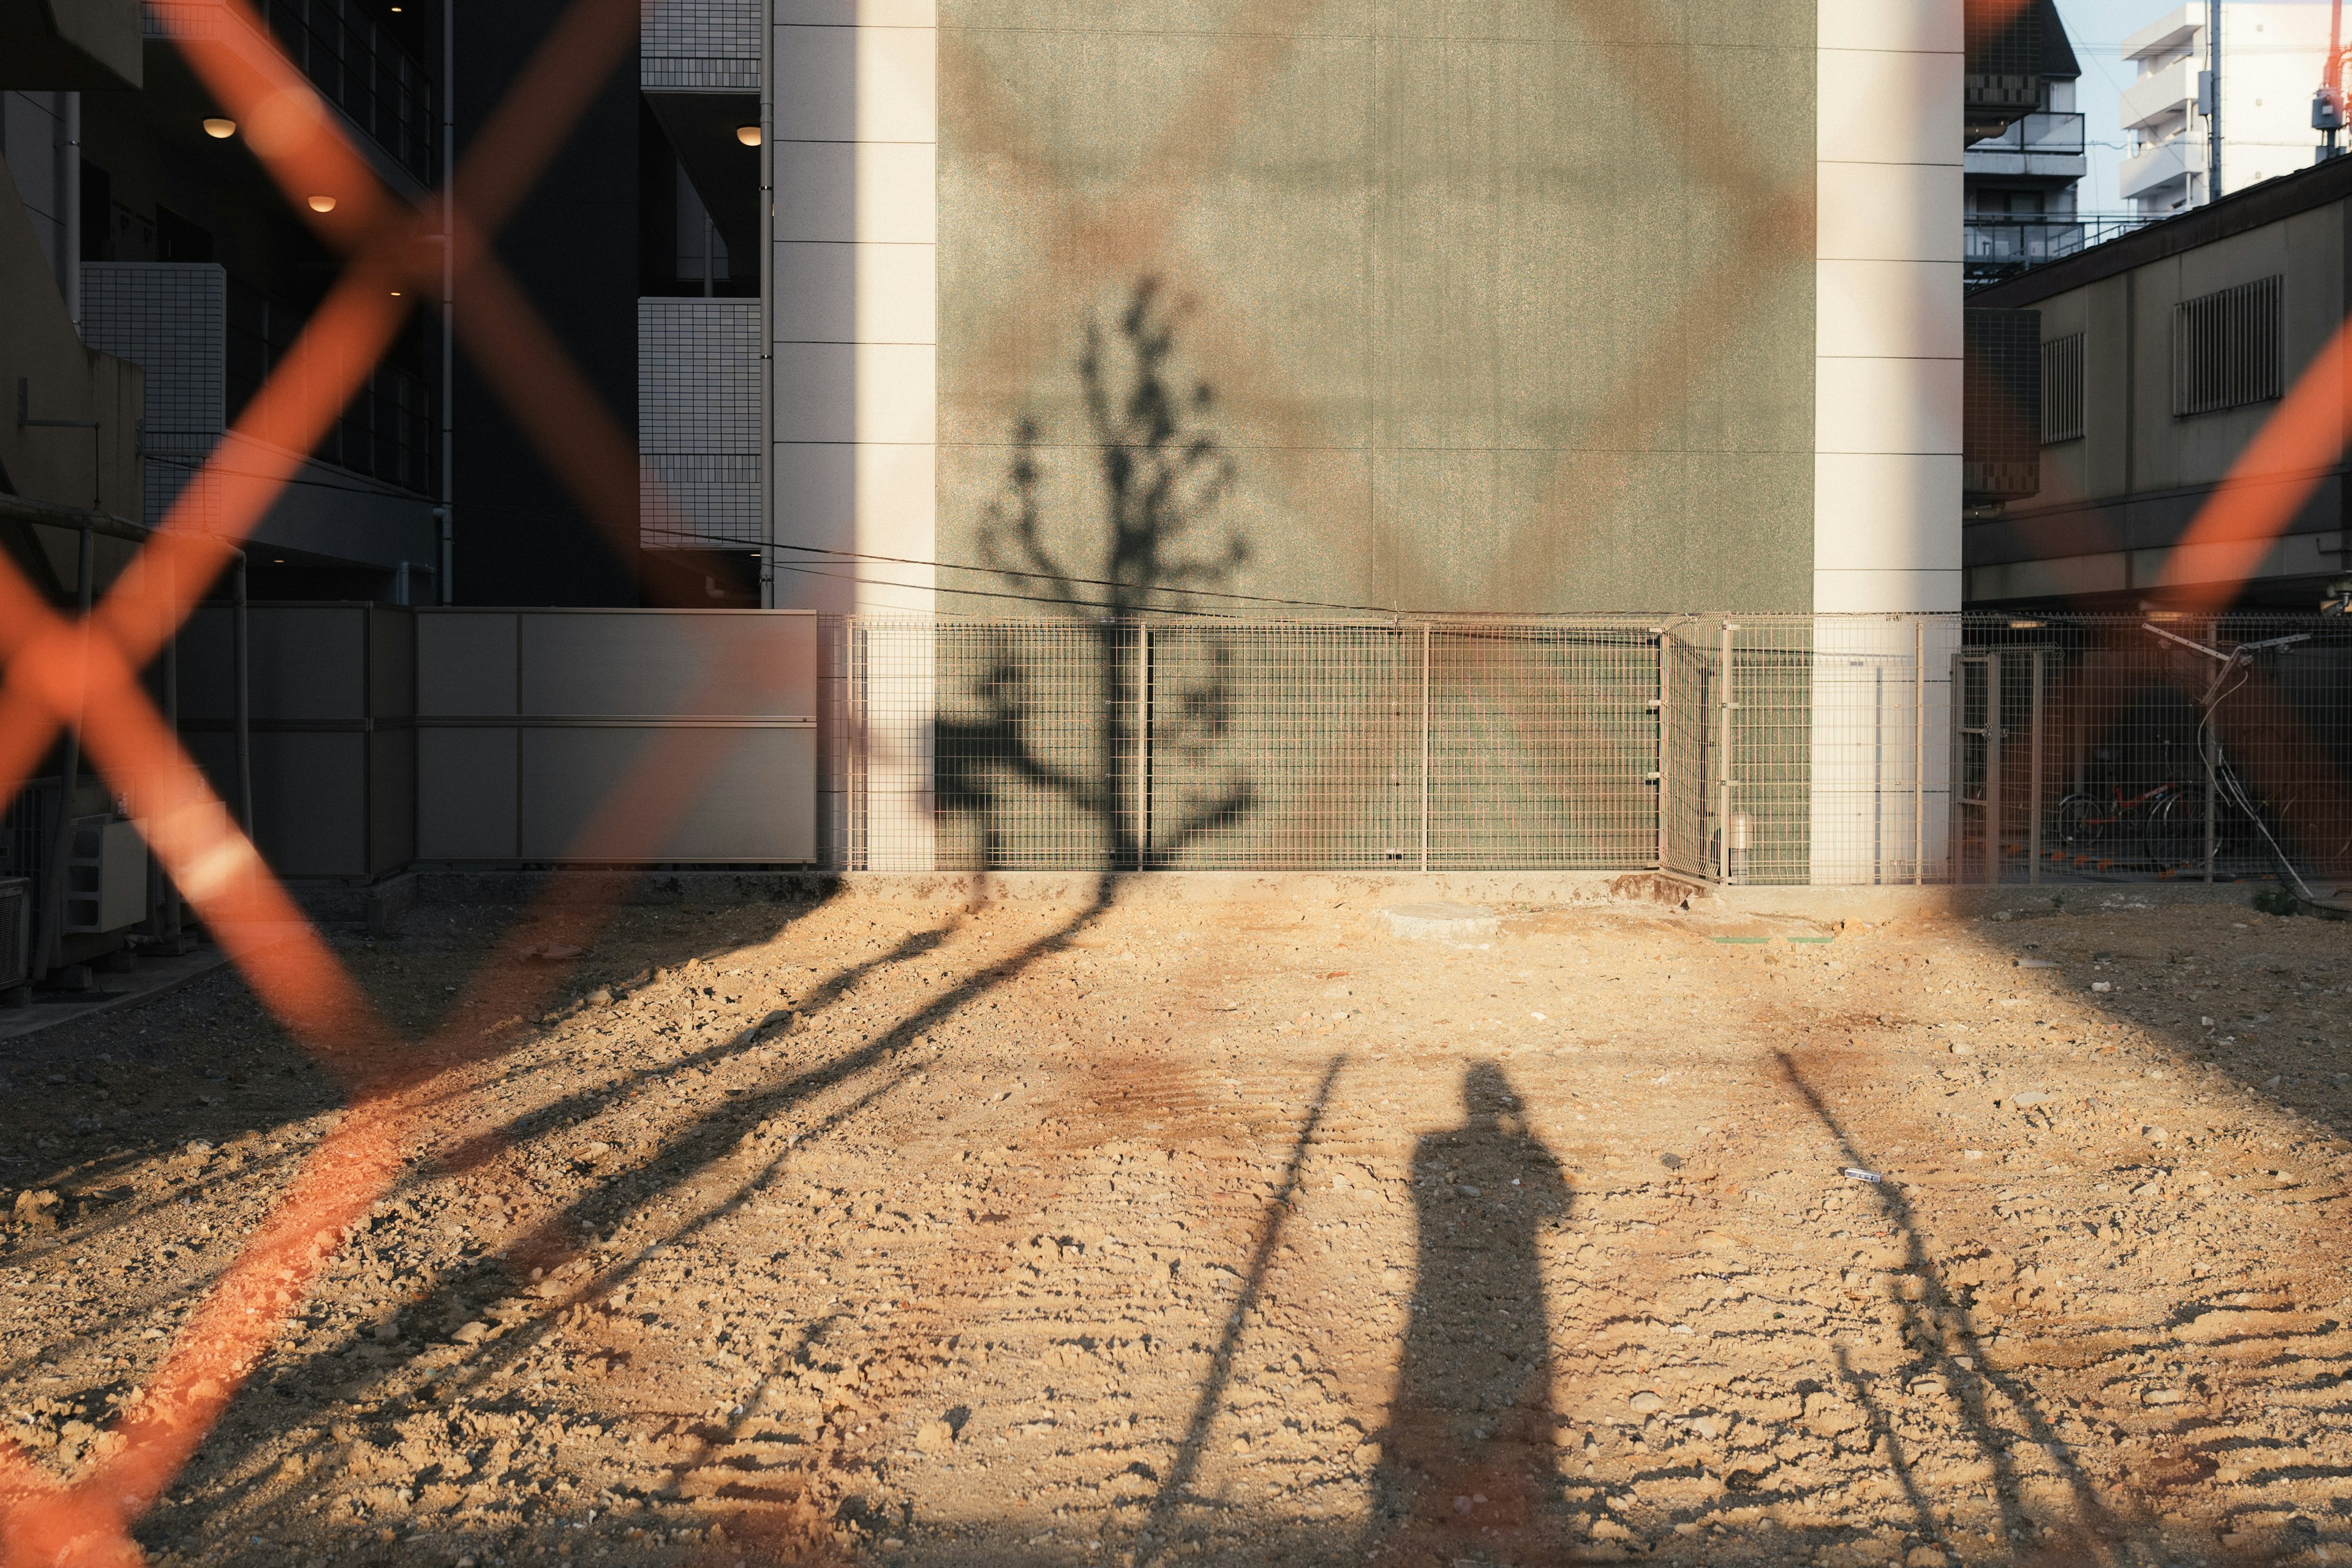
x,y
2119,754
1831,750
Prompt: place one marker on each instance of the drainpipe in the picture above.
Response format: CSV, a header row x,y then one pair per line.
x,y
767,304
441,514
69,263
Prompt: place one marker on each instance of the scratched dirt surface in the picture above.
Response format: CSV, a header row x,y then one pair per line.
x,y
867,1232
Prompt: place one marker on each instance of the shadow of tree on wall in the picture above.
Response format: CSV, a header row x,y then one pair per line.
x,y
1066,717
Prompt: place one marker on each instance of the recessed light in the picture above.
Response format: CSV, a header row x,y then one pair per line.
x,y
395,293
747,134
219,127
322,203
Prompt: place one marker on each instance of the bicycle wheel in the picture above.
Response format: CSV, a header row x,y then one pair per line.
x,y
2175,833
2081,821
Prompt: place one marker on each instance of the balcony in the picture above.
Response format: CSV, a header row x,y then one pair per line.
x,y
2157,165
2042,143
1997,248
2169,92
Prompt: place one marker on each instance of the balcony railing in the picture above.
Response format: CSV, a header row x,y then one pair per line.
x,y
1995,248
2055,135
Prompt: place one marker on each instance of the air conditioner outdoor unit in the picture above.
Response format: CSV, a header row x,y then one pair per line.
x,y
16,933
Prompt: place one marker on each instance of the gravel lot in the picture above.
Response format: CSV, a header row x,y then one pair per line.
x,y
867,1232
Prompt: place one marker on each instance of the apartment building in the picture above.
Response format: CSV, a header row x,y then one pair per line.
x,y
174,253
2272,59
2161,354
2025,162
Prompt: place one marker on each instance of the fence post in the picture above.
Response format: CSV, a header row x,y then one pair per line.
x,y
2033,776
1425,745
1664,664
2205,746
1142,745
1723,752
1919,751
1993,769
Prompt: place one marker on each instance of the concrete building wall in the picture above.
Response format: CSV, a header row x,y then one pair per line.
x,y
1887,379
855,120
1505,306
2115,499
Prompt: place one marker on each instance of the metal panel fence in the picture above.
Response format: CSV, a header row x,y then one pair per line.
x,y
1823,749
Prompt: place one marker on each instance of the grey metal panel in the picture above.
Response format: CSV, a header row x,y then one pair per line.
x,y
466,663
466,784
309,793
392,800
309,661
208,670
677,664
737,794
392,663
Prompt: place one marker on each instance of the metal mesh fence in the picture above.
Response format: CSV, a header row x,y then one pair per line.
x,y
1820,749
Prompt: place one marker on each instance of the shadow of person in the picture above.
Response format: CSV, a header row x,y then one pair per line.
x,y
1467,1453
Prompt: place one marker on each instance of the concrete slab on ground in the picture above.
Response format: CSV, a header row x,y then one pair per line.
x,y
151,978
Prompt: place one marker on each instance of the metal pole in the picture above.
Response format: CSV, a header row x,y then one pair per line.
x,y
1723,764
2033,776
2213,117
1919,751
767,305
443,579
1425,746
1663,667
53,899
242,676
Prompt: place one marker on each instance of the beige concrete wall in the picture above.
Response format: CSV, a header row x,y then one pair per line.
x,y
1500,305
66,381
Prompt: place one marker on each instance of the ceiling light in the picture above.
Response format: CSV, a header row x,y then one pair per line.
x,y
747,134
219,128
322,203
395,293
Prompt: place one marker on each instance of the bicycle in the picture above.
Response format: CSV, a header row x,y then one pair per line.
x,y
2082,823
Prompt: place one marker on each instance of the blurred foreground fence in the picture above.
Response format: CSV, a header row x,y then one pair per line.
x,y
1823,749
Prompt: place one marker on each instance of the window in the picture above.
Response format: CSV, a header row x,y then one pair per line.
x,y
2062,388
2228,348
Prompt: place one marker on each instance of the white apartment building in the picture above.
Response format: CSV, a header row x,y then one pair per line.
x,y
2271,59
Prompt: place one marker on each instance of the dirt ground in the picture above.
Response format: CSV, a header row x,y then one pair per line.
x,y
863,1232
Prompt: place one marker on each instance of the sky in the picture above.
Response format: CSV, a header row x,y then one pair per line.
x,y
2097,29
